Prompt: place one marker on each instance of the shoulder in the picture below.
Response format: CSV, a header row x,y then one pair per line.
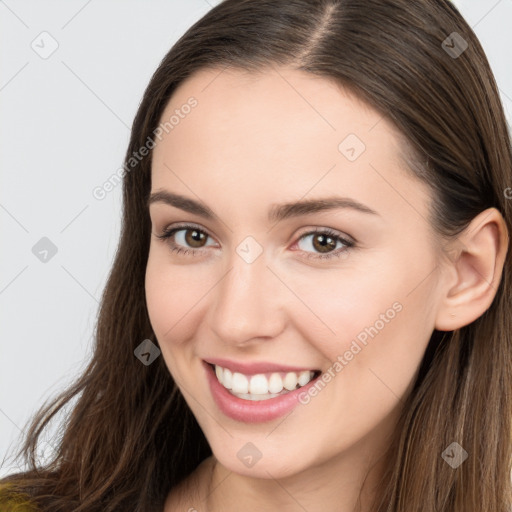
x,y
13,501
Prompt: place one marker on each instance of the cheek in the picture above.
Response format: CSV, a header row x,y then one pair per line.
x,y
342,303
374,356
381,343
167,301
175,296
373,317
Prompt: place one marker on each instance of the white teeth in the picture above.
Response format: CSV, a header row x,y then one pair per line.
x,y
261,386
227,378
258,385
240,383
256,398
290,381
275,383
304,377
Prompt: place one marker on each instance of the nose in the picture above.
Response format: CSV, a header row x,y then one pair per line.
x,y
247,302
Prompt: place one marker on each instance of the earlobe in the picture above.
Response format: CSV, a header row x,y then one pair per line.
x,y
477,265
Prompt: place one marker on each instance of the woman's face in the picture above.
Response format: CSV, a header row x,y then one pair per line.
x,y
356,300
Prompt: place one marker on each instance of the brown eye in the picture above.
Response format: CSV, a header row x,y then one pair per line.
x,y
185,239
323,243
194,237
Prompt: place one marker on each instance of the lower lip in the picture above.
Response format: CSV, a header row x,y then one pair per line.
x,y
251,411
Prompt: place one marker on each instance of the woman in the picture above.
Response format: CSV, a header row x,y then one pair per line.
x,y
310,304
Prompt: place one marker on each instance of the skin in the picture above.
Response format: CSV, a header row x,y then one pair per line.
x,y
252,141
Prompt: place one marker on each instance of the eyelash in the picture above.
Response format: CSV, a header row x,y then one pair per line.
x,y
167,234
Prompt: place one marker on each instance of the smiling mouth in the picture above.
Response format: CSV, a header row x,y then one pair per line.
x,y
262,386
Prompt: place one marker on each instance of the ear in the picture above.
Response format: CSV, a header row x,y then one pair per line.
x,y
474,270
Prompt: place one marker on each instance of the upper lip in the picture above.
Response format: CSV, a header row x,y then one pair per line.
x,y
255,367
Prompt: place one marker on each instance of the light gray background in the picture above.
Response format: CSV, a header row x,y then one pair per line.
x,y
64,129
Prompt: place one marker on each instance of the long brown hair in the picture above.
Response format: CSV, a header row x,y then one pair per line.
x,y
130,437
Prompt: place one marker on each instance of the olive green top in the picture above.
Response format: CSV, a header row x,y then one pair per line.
x,y
11,501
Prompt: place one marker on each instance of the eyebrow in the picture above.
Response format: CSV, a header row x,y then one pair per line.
x,y
276,213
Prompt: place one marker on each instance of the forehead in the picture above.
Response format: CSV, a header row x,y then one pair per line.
x,y
277,135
